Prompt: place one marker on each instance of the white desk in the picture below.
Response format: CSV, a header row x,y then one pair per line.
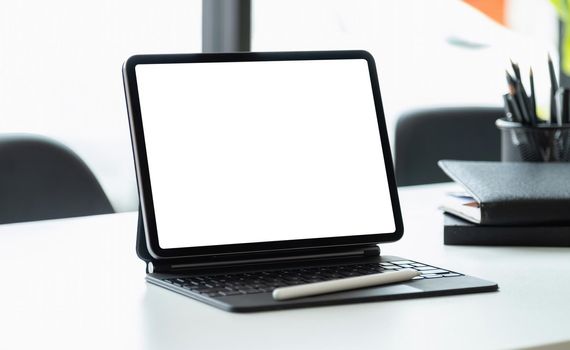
x,y
77,283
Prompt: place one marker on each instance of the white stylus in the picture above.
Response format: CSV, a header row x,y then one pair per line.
x,y
317,288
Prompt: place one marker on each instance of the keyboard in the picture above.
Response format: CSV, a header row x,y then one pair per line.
x,y
266,281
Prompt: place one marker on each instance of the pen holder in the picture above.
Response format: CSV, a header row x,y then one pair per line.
x,y
540,143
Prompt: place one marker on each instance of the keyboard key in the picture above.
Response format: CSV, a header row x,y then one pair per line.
x,y
228,293
437,271
349,274
404,262
191,287
252,291
212,290
432,276
378,270
422,268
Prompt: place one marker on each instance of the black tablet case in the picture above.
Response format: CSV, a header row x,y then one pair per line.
x,y
515,193
141,248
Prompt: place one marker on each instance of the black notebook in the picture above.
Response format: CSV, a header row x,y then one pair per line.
x,y
457,231
509,193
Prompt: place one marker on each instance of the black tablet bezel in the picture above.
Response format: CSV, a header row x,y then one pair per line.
x,y
142,171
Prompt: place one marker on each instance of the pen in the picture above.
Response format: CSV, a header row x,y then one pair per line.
x,y
305,290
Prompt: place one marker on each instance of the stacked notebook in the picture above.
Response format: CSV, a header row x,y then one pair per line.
x,y
508,203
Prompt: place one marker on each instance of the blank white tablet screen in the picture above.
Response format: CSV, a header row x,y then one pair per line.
x,y
243,152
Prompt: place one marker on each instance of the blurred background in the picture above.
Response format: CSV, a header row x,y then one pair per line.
x,y
60,61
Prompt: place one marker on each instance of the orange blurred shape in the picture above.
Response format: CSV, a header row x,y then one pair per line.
x,y
495,9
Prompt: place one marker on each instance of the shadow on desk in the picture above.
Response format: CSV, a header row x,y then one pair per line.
x,y
553,346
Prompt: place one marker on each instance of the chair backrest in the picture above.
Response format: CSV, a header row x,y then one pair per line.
x,y
426,136
41,179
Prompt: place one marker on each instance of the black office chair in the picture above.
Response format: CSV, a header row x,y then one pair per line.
x,y
426,136
41,179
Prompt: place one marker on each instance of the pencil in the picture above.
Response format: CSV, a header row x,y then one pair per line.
x,y
532,100
508,109
553,89
517,117
516,70
516,107
523,103
565,106
520,95
511,83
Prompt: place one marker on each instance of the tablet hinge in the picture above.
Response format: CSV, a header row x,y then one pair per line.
x,y
169,267
372,251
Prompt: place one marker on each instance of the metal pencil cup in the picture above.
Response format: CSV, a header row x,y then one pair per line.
x,y
540,143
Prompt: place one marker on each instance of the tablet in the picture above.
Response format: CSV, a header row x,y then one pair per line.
x,y
240,153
